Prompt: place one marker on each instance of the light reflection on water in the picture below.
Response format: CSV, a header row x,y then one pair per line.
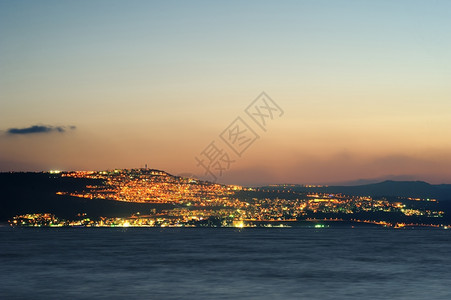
x,y
224,263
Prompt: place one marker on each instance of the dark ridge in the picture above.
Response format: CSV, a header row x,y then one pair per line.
x,y
388,188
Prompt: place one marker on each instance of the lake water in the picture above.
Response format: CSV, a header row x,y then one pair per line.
x,y
224,263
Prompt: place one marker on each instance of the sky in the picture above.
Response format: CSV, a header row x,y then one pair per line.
x,y
363,88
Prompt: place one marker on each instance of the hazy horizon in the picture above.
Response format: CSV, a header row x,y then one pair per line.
x,y
363,181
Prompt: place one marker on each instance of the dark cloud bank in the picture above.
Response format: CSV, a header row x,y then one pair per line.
x,y
38,129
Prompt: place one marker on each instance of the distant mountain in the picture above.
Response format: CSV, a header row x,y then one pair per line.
x,y
389,188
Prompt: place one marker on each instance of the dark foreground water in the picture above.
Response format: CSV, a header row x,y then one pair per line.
x,y
287,263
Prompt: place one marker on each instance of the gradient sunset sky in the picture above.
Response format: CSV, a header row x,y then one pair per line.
x,y
365,87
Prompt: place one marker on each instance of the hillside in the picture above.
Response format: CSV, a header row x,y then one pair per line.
x,y
23,193
179,200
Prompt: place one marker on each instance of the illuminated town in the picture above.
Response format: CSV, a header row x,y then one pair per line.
x,y
196,203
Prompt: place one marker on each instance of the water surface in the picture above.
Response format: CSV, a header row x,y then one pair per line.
x,y
224,263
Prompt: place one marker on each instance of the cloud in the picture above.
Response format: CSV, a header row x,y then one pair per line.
x,y
38,129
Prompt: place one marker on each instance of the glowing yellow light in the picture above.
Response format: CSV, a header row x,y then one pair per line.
x,y
238,224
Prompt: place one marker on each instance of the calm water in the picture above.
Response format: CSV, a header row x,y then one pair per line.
x,y
223,263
